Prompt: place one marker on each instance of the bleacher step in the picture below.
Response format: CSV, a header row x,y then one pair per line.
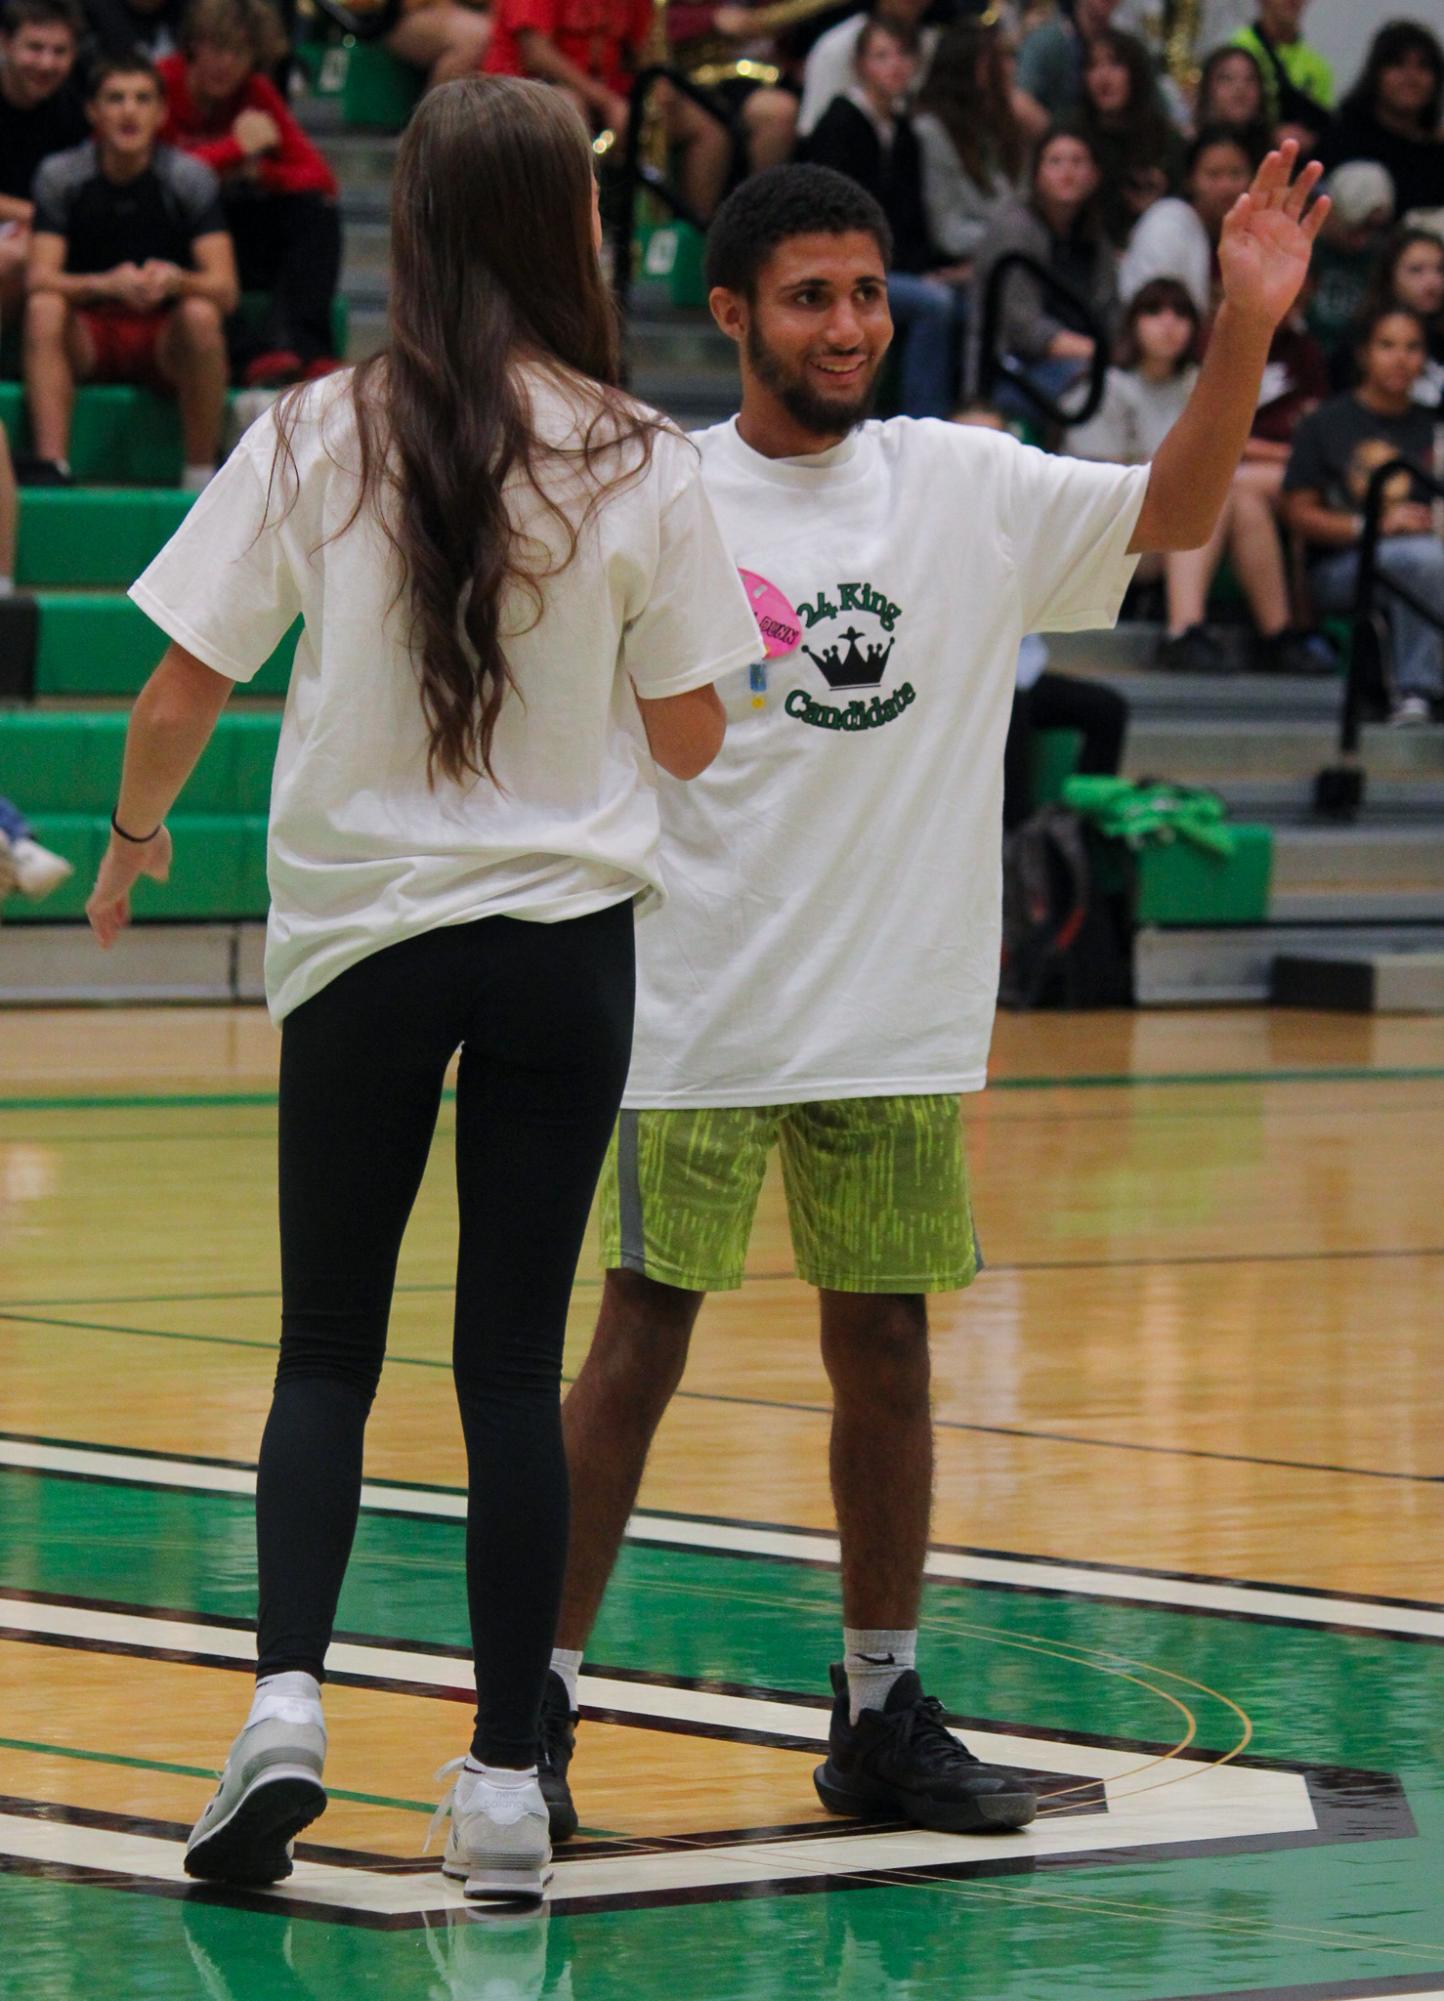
x,y
1192,967
1360,982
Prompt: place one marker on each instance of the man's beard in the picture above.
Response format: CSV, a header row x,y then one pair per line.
x,y
824,417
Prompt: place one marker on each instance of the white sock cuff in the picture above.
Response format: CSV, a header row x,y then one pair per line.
x,y
294,1697
879,1648
568,1664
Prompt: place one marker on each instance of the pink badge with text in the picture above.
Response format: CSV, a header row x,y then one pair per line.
x,y
777,621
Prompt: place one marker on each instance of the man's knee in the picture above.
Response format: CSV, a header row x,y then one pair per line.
x,y
875,1349
198,325
643,1334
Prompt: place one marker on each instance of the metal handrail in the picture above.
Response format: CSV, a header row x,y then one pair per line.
x,y
992,364
1339,788
636,171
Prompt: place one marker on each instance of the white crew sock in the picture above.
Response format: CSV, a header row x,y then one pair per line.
x,y
195,479
7,587
504,1777
294,1697
874,1660
569,1666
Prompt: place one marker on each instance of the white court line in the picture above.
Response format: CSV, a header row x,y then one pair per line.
x,y
739,1539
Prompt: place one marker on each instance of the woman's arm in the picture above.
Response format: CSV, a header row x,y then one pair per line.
x,y
684,732
170,725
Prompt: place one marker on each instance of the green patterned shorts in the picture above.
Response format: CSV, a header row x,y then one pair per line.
x,y
877,1193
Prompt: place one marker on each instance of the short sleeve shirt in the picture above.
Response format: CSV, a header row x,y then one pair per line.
x,y
159,213
363,850
833,923
28,137
602,37
1338,448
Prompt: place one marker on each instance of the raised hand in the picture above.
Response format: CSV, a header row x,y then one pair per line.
x,y
1263,253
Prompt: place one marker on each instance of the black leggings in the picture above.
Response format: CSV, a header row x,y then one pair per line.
x,y
290,247
543,1016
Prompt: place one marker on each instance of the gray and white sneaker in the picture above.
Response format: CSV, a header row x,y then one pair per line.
x,y
498,1842
270,1789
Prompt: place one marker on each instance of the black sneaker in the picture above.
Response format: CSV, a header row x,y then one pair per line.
x,y
554,1754
30,471
903,1763
1195,651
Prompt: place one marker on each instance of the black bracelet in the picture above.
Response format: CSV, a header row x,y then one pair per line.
x,y
136,840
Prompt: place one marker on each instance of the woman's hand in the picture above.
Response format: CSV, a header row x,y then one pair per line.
x,y
122,866
1263,252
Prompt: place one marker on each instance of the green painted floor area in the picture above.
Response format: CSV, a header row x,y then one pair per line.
x,y
1354,1916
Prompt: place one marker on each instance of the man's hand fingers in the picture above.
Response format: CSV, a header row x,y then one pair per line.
x,y
1317,216
1302,188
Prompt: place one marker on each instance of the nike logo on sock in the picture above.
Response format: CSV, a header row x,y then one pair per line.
x,y
879,1660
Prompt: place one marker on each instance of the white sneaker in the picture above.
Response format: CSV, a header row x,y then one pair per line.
x,y
498,1843
1410,710
36,870
270,1789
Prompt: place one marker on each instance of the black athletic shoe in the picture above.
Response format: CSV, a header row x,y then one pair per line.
x,y
554,1754
903,1763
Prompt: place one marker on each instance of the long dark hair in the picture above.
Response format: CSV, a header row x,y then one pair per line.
x,y
1394,41
1381,292
967,92
492,265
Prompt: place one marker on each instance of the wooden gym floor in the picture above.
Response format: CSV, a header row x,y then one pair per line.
x,y
1189,1523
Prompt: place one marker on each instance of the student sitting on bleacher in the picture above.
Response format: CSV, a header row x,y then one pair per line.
x,y
278,193
131,275
40,113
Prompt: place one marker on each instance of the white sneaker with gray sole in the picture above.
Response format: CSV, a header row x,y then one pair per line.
x,y
270,1789
498,1843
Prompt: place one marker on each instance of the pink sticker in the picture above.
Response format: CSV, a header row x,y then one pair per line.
x,y
778,623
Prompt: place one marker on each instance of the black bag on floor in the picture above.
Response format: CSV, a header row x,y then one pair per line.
x,y
1065,943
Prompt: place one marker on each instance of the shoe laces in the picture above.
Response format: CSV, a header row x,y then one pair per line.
x,y
446,1808
921,1729
556,1738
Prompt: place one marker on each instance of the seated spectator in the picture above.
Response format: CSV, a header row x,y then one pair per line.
x,y
1059,226
868,136
278,193
128,27
974,152
1050,62
9,517
445,39
24,864
1336,452
1392,115
830,69
1136,144
765,113
1345,252
1298,83
1231,92
1410,273
131,274
1179,239
594,52
41,112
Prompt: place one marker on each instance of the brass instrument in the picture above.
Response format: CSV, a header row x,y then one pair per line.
x,y
1182,21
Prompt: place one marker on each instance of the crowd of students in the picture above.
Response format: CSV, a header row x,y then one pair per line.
x,y
136,210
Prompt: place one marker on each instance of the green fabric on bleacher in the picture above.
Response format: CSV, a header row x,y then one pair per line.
x,y
99,643
94,535
69,762
219,869
379,90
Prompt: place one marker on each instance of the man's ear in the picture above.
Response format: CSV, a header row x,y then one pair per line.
x,y
729,310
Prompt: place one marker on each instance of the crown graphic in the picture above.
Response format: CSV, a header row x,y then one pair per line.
x,y
855,668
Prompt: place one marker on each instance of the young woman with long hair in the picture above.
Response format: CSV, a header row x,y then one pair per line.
x,y
1410,273
975,154
1231,91
1139,148
511,586
1392,115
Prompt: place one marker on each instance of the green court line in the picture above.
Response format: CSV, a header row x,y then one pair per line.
x,y
1100,1081
194,1772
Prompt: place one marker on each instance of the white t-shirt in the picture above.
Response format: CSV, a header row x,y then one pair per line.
x,y
362,853
832,928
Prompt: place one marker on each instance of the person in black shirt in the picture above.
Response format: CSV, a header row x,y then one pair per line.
x,y
131,273
1336,452
867,135
1392,115
40,113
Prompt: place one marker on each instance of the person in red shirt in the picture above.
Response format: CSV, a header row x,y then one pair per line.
x,y
278,191
592,49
